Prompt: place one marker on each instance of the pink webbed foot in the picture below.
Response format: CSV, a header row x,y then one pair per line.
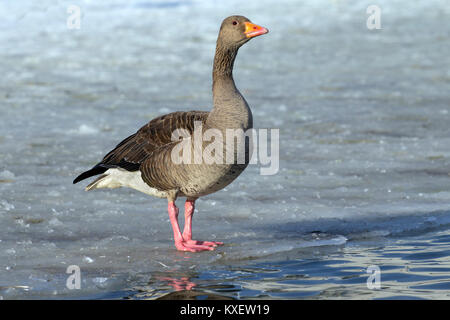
x,y
184,242
192,246
204,243
189,208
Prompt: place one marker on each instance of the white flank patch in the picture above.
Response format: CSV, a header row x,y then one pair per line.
x,y
116,178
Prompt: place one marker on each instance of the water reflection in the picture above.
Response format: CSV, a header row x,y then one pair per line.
x,y
410,269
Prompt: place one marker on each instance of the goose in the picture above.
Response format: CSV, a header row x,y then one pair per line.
x,y
144,160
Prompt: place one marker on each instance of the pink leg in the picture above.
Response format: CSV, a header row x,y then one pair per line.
x,y
189,208
180,244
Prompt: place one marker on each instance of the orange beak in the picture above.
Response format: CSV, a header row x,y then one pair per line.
x,y
253,30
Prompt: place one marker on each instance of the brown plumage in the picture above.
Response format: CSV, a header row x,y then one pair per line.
x,y
143,161
148,142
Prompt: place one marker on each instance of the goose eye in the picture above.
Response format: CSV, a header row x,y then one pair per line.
x,y
234,23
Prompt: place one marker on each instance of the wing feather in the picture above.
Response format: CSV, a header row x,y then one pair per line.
x,y
130,153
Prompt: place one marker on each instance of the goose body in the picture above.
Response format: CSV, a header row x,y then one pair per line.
x,y
144,160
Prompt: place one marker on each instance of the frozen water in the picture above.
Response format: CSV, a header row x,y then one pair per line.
x,y
363,117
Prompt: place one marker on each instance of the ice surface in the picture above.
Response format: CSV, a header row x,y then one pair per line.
x,y
363,118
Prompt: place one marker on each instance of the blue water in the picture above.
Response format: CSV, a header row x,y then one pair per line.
x,y
364,151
